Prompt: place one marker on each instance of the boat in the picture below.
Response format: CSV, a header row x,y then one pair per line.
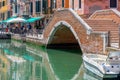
x,y
103,65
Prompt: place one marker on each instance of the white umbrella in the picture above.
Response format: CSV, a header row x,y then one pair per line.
x,y
14,20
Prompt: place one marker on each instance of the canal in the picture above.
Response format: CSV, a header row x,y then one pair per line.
x,y
27,61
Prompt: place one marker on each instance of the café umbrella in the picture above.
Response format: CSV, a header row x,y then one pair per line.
x,y
16,20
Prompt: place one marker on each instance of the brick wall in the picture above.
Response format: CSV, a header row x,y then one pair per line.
x,y
89,43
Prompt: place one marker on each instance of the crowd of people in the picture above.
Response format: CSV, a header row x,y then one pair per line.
x,y
18,28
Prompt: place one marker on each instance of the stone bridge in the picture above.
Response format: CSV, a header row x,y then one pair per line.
x,y
67,28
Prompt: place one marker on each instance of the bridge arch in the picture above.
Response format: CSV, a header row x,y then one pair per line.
x,y
66,26
77,27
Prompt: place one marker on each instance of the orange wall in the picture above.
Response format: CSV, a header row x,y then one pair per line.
x,y
66,3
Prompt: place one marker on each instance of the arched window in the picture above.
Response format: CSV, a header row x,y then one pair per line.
x,y
113,3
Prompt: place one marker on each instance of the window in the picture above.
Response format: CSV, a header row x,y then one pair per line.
x,y
15,8
113,3
38,6
8,14
31,7
3,3
45,6
62,3
72,4
79,3
53,4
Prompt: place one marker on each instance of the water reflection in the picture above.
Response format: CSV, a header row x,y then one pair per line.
x,y
65,63
16,63
25,61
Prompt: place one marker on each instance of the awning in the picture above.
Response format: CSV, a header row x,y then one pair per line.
x,y
18,19
33,19
5,21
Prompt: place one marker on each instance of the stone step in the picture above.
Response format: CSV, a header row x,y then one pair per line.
x,y
114,45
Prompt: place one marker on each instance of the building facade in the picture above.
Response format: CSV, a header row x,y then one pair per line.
x,y
5,9
29,7
84,6
36,8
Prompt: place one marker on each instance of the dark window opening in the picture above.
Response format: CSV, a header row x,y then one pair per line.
x,y
79,3
3,3
45,5
8,14
62,3
51,4
72,4
15,8
113,3
38,6
31,7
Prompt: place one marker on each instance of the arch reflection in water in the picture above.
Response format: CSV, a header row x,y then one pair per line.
x,y
68,65
17,63
65,63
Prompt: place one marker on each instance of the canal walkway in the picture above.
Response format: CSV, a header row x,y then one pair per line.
x,y
30,38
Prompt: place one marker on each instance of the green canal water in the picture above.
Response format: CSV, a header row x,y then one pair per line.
x,y
27,61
